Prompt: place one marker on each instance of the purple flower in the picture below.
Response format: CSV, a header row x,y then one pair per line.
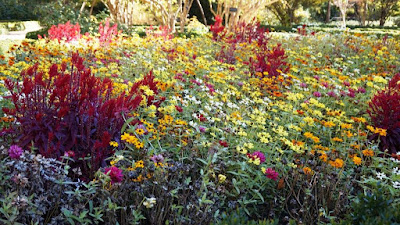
x,y
317,94
157,158
202,129
271,174
15,151
316,77
303,85
115,174
240,83
346,83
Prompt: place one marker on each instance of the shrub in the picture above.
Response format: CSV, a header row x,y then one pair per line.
x,y
373,207
73,112
384,110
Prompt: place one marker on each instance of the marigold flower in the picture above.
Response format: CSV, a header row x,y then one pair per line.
x,y
368,153
307,170
337,139
357,160
338,163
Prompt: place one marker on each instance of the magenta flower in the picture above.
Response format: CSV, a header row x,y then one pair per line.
x,y
317,94
361,90
271,174
115,174
157,158
259,155
303,85
15,151
331,94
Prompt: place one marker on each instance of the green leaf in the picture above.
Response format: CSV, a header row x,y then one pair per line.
x,y
128,121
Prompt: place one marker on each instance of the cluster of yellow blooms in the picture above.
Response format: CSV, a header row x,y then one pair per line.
x,y
131,139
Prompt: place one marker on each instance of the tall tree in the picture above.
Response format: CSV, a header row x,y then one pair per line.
x,y
169,11
343,6
385,9
235,11
362,10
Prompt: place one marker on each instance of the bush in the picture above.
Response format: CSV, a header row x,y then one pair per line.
x,y
59,12
72,113
373,207
384,110
17,9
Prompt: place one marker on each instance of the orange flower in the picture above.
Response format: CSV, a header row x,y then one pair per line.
x,y
368,153
338,163
357,160
308,170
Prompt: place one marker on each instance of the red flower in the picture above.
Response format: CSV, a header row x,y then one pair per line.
x,y
178,108
115,174
223,143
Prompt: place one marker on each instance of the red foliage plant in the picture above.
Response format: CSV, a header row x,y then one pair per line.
x,y
72,111
218,30
67,32
384,111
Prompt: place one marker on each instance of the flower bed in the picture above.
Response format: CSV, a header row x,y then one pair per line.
x,y
157,130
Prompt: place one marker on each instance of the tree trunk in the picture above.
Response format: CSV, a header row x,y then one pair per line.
x,y
344,20
92,6
382,21
328,13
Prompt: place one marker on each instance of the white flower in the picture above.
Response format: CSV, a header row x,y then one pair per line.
x,y
396,184
396,171
150,202
381,175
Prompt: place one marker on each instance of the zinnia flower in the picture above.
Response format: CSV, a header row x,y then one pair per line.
x,y
271,174
115,174
15,151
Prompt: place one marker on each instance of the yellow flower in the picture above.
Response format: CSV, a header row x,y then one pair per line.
x,y
337,139
357,160
139,131
139,164
221,178
329,124
346,126
241,150
114,144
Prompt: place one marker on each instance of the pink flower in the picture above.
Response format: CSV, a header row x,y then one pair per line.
x,y
15,151
115,174
271,174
